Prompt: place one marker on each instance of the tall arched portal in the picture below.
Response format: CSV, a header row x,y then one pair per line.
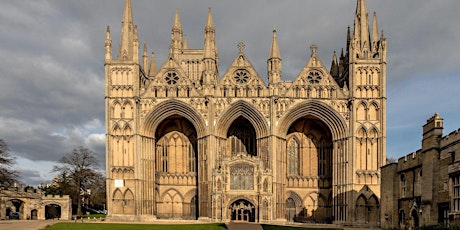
x,y
309,164
176,167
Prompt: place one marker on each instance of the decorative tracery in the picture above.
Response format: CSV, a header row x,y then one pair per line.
x,y
171,78
241,77
293,157
314,77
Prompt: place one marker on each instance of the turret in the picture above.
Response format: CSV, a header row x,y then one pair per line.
x,y
176,36
361,38
108,45
153,66
375,34
274,62
335,67
432,133
145,59
210,53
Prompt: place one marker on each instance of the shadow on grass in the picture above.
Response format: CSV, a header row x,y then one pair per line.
x,y
120,226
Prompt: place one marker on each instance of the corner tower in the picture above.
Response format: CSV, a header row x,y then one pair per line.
x,y
367,104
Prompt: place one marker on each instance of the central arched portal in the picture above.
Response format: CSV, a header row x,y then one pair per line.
x,y
242,210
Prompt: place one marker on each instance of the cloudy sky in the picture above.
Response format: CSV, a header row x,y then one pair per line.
x,y
52,61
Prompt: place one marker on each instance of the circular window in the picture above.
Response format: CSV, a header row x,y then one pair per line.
x,y
241,77
314,77
171,78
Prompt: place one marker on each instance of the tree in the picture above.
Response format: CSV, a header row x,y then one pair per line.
x,y
78,169
7,175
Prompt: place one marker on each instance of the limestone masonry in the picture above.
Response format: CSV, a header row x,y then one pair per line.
x,y
186,141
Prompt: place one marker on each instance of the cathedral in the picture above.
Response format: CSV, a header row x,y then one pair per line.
x,y
187,141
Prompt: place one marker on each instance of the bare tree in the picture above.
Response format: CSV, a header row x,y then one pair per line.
x,y
7,175
79,169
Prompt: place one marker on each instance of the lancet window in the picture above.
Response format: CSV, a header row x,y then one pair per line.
x,y
293,157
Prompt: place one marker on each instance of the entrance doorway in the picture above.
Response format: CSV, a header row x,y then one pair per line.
x,y
243,210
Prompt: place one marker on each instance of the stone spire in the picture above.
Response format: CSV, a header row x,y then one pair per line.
x,y
274,62
361,37
375,34
335,66
153,66
209,37
210,52
108,45
176,35
185,45
145,59
127,34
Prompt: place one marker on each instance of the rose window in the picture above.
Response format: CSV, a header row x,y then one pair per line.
x,y
314,77
241,77
171,78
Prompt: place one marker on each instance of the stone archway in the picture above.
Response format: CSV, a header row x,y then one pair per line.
x,y
242,210
52,211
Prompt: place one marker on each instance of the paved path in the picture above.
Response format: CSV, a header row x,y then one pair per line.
x,y
26,224
243,226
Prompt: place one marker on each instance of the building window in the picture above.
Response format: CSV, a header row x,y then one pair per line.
x,y
403,185
192,159
456,190
293,157
171,78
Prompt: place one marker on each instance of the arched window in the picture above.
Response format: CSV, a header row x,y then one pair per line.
x,y
293,157
403,185
164,158
192,159
242,137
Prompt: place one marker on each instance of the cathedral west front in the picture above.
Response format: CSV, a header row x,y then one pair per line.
x,y
187,141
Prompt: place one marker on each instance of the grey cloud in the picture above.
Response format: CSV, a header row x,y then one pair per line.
x,y
52,74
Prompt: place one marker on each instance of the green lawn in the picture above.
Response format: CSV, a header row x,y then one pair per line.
x,y
277,227
104,226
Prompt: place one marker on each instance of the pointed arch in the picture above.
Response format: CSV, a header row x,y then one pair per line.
x,y
320,110
361,212
117,202
116,129
116,109
129,202
361,111
245,110
298,201
373,112
293,155
170,108
128,109
117,194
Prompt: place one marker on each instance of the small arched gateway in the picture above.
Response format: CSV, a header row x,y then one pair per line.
x,y
242,210
52,211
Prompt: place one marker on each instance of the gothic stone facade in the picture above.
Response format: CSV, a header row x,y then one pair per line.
x,y
423,188
184,142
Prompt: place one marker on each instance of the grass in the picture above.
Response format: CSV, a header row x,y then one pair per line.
x,y
278,227
110,226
